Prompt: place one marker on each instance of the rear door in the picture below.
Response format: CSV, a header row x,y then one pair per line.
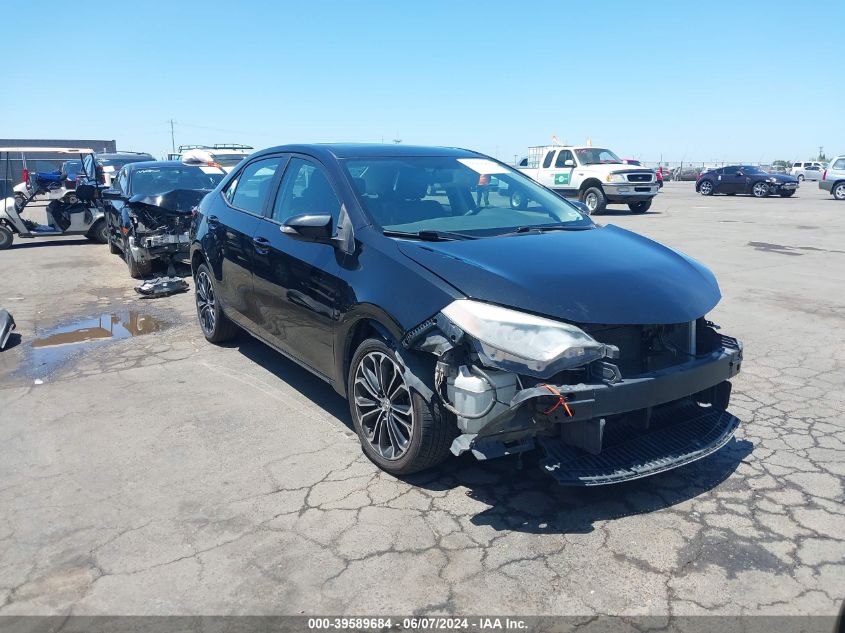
x,y
232,226
296,282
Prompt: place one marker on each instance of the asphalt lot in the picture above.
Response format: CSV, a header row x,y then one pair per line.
x,y
159,474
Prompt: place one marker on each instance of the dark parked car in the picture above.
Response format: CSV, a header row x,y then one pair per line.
x,y
745,179
452,325
148,210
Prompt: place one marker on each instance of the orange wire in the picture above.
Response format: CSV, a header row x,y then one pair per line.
x,y
561,400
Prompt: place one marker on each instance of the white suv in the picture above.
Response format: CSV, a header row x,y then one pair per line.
x,y
833,178
807,170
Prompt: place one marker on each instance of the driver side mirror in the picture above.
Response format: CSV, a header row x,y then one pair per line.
x,y
309,228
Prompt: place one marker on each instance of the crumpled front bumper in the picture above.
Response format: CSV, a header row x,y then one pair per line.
x,y
515,428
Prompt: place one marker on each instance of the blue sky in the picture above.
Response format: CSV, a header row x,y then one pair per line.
x,y
741,80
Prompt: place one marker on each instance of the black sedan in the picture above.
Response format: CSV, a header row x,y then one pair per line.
x,y
148,210
745,179
454,324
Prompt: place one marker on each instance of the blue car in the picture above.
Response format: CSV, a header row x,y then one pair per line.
x,y
454,323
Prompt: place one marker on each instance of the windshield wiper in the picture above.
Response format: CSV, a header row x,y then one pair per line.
x,y
429,235
543,228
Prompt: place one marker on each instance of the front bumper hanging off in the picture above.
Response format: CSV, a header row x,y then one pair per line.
x,y
675,429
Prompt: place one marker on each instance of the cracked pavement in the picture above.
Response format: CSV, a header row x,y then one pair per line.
x,y
160,474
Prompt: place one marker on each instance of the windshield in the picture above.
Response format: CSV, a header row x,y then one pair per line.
x,y
117,163
596,156
473,196
156,180
228,160
71,168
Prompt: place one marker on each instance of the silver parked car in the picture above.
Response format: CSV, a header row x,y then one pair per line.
x,y
833,178
807,170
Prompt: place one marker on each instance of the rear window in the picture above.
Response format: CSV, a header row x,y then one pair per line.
x,y
839,164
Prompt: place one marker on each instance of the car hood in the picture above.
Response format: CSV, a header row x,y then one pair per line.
x,y
174,202
782,177
604,275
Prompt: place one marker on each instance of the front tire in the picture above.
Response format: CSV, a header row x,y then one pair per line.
x,y
800,177
760,190
640,207
399,431
705,188
839,191
6,238
215,325
595,199
137,269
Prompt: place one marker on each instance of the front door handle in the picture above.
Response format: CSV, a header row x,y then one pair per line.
x,y
262,244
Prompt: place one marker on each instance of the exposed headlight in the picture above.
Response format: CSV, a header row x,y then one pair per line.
x,y
615,178
520,342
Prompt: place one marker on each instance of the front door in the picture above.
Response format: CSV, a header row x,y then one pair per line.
x,y
731,180
246,198
296,283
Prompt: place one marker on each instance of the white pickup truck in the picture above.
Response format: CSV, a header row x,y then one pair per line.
x,y
594,175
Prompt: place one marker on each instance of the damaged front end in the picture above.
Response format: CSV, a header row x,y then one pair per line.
x,y
607,403
158,225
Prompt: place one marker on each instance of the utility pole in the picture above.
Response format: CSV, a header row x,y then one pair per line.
x,y
172,138
821,152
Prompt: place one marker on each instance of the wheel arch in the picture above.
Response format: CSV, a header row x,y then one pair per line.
x,y
369,322
589,182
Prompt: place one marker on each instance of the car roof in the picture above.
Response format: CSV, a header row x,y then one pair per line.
x,y
123,155
370,150
147,164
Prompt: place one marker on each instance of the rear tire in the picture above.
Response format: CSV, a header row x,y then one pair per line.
x,y
215,325
640,207
383,407
800,177
137,269
705,188
595,199
839,191
6,238
519,200
99,232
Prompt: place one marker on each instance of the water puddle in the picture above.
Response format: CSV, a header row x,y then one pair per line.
x,y
58,345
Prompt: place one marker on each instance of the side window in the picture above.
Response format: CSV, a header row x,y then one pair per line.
x,y
305,189
121,182
796,164
839,164
250,188
548,159
562,157
730,171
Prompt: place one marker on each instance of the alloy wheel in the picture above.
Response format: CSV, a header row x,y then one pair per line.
x,y
205,303
760,189
839,191
592,201
706,188
383,405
